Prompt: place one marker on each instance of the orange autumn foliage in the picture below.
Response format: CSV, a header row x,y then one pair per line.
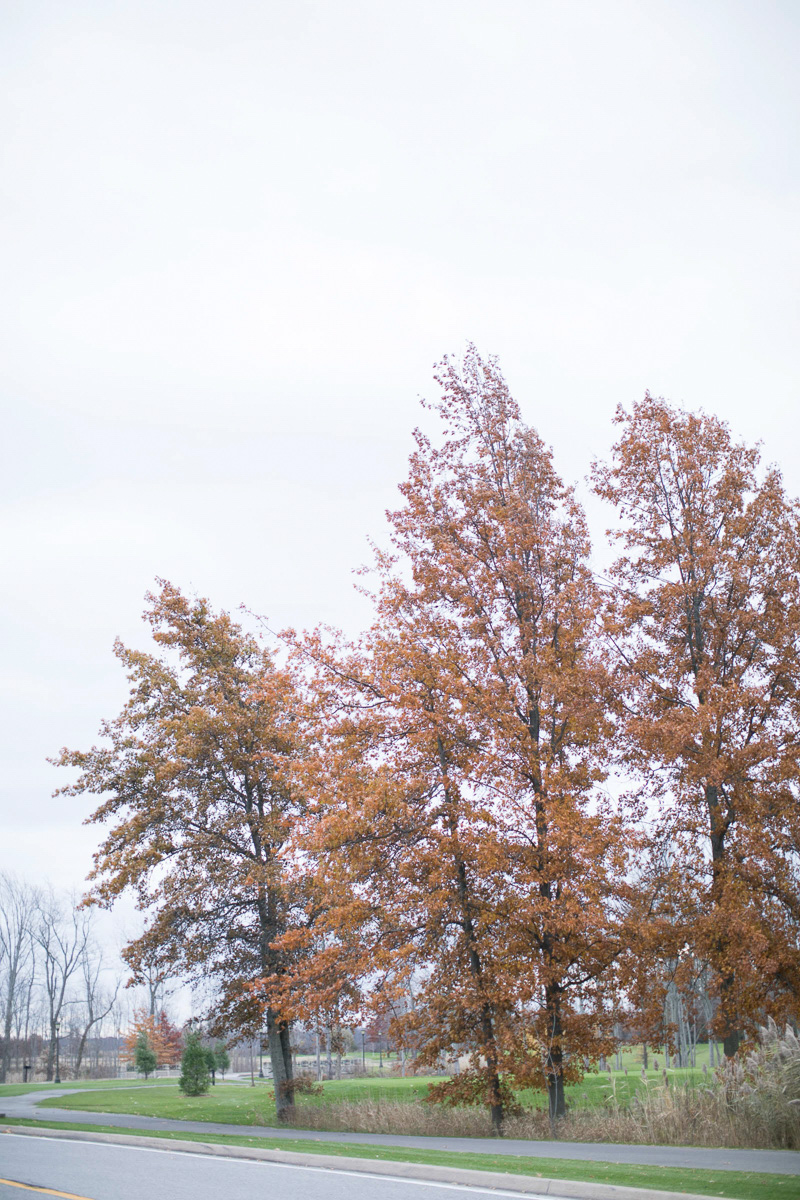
x,y
195,795
458,820
705,614
417,830
162,1037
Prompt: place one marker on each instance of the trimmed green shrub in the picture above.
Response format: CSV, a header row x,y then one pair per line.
x,y
144,1057
194,1078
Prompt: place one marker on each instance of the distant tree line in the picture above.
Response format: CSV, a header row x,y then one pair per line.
x,y
55,990
531,810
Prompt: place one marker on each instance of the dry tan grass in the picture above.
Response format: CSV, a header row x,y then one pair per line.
x,y
411,1118
754,1102
664,1116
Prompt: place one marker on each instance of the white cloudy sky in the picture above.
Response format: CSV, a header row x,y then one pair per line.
x,y
237,235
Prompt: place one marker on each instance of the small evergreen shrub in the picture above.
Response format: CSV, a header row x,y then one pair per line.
x,y
144,1057
194,1078
222,1058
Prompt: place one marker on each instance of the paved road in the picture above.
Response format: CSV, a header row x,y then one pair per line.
x,y
781,1162
97,1172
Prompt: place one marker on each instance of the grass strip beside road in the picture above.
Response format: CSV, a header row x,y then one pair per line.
x,y
734,1185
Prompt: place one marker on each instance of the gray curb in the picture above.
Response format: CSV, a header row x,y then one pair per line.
x,y
567,1189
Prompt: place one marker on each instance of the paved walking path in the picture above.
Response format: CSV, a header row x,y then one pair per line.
x,y
779,1162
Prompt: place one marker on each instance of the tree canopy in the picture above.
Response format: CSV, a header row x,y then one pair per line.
x,y
197,794
460,828
705,614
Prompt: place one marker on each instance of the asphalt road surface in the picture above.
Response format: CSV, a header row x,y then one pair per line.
x,y
89,1171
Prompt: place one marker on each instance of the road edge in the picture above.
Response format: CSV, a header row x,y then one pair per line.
x,y
563,1189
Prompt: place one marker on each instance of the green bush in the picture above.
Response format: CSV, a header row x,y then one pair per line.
x,y
222,1058
144,1058
194,1078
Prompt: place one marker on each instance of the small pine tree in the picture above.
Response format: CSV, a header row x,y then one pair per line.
x,y
222,1058
144,1057
211,1063
194,1079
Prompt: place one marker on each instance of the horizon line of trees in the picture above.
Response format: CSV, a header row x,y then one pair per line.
x,y
527,806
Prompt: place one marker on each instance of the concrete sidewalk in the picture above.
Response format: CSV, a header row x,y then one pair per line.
x,y
778,1162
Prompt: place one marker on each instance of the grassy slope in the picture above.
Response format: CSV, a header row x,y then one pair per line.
x,y
231,1105
736,1185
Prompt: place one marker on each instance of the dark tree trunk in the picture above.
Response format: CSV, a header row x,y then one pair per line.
x,y
281,1062
496,1107
81,1050
731,1043
51,1055
732,1037
555,1095
719,824
555,1056
286,1049
497,1114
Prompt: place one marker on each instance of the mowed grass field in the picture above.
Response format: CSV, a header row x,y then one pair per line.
x,y
92,1085
241,1104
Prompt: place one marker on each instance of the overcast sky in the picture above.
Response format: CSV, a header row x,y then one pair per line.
x,y
236,236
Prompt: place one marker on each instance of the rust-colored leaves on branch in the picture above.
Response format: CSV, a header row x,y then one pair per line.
x,y
196,778
706,617
473,870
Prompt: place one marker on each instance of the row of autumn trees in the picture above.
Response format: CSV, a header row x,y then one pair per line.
x,y
528,797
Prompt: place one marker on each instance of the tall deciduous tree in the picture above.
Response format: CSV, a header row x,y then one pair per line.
x,y
171,1040
96,1002
460,811
707,619
193,772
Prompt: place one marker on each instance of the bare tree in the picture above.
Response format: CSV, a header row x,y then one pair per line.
x,y
154,979
97,1003
63,933
18,907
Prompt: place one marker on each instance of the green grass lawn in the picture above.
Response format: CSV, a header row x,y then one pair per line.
x,y
231,1105
245,1105
615,1087
735,1185
21,1089
632,1058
